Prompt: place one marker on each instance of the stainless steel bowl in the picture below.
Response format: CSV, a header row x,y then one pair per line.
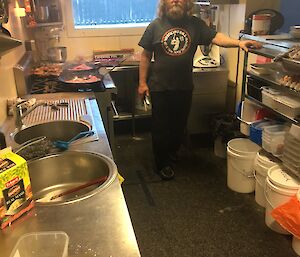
x,y
54,174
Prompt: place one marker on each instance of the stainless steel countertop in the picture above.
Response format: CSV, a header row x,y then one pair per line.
x,y
97,226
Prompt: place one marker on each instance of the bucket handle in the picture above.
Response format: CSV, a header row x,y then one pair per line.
x,y
243,173
266,196
258,182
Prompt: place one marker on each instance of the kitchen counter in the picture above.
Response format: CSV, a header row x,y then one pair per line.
x,y
97,226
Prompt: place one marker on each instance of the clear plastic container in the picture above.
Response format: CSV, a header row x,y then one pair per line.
x,y
248,115
268,96
287,105
275,146
42,244
292,142
295,156
275,130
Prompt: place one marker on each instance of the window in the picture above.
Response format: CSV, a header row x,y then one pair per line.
x,y
90,14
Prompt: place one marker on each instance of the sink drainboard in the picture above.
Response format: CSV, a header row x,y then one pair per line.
x,y
76,109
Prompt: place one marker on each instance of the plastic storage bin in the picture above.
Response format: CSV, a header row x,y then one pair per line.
x,y
268,96
249,112
291,154
42,244
256,130
273,138
288,106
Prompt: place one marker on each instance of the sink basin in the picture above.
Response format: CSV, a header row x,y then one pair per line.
x,y
53,130
54,174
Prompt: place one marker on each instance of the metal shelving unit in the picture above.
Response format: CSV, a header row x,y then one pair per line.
x,y
269,80
280,115
272,47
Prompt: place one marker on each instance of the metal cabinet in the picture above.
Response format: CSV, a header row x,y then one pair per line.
x,y
209,98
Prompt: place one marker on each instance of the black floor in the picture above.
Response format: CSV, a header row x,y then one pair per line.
x,y
195,214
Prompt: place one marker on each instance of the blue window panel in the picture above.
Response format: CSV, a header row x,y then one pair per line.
x,y
114,12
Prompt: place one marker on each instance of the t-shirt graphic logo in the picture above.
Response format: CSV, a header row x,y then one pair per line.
x,y
176,41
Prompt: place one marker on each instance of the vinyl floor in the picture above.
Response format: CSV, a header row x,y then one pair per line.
x,y
196,214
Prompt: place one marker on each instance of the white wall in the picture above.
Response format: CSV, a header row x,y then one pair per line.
x,y
7,61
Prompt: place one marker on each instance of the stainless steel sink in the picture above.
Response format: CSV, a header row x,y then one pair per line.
x,y
54,174
53,130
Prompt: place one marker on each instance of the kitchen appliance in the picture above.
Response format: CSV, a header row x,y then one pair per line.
x,y
207,56
42,13
3,11
57,54
7,43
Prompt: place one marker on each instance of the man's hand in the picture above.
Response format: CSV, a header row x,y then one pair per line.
x,y
246,44
143,90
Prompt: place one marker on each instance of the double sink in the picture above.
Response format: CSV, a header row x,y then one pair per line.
x,y
53,174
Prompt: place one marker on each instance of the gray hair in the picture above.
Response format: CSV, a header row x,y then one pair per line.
x,y
161,10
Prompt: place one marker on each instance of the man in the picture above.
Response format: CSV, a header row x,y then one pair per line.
x,y
172,39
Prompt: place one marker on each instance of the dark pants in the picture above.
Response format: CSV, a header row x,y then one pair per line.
x,y
170,111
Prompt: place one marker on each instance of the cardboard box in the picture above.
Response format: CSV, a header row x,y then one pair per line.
x,y
15,188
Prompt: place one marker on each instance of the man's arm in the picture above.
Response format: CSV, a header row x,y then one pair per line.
x,y
225,41
143,72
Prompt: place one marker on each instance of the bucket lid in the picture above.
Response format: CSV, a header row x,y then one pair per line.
x,y
243,145
280,178
265,158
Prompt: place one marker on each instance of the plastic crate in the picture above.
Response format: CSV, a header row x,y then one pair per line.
x,y
248,115
256,130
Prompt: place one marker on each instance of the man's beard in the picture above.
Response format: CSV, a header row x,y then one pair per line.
x,y
175,12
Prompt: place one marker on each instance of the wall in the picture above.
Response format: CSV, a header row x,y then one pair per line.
x,y
290,10
7,61
253,5
83,45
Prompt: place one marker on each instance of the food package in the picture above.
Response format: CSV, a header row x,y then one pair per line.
x,y
288,215
15,188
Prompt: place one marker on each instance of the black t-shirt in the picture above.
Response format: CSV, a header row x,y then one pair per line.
x,y
174,44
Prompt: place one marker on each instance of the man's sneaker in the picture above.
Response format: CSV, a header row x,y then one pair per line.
x,y
167,173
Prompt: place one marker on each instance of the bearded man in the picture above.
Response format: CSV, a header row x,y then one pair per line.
x,y
172,39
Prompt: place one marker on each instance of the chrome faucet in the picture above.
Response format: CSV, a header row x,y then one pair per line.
x,y
19,114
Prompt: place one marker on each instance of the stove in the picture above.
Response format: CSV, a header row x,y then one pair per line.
x,y
104,90
51,84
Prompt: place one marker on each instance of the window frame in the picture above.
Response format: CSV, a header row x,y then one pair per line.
x,y
105,31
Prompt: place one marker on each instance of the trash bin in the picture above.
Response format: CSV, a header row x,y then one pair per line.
x,y
224,127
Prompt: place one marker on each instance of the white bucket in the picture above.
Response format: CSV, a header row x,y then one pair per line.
x,y
240,172
296,245
243,146
261,167
280,187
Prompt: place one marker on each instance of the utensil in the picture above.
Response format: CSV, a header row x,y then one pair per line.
x,y
50,197
64,145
